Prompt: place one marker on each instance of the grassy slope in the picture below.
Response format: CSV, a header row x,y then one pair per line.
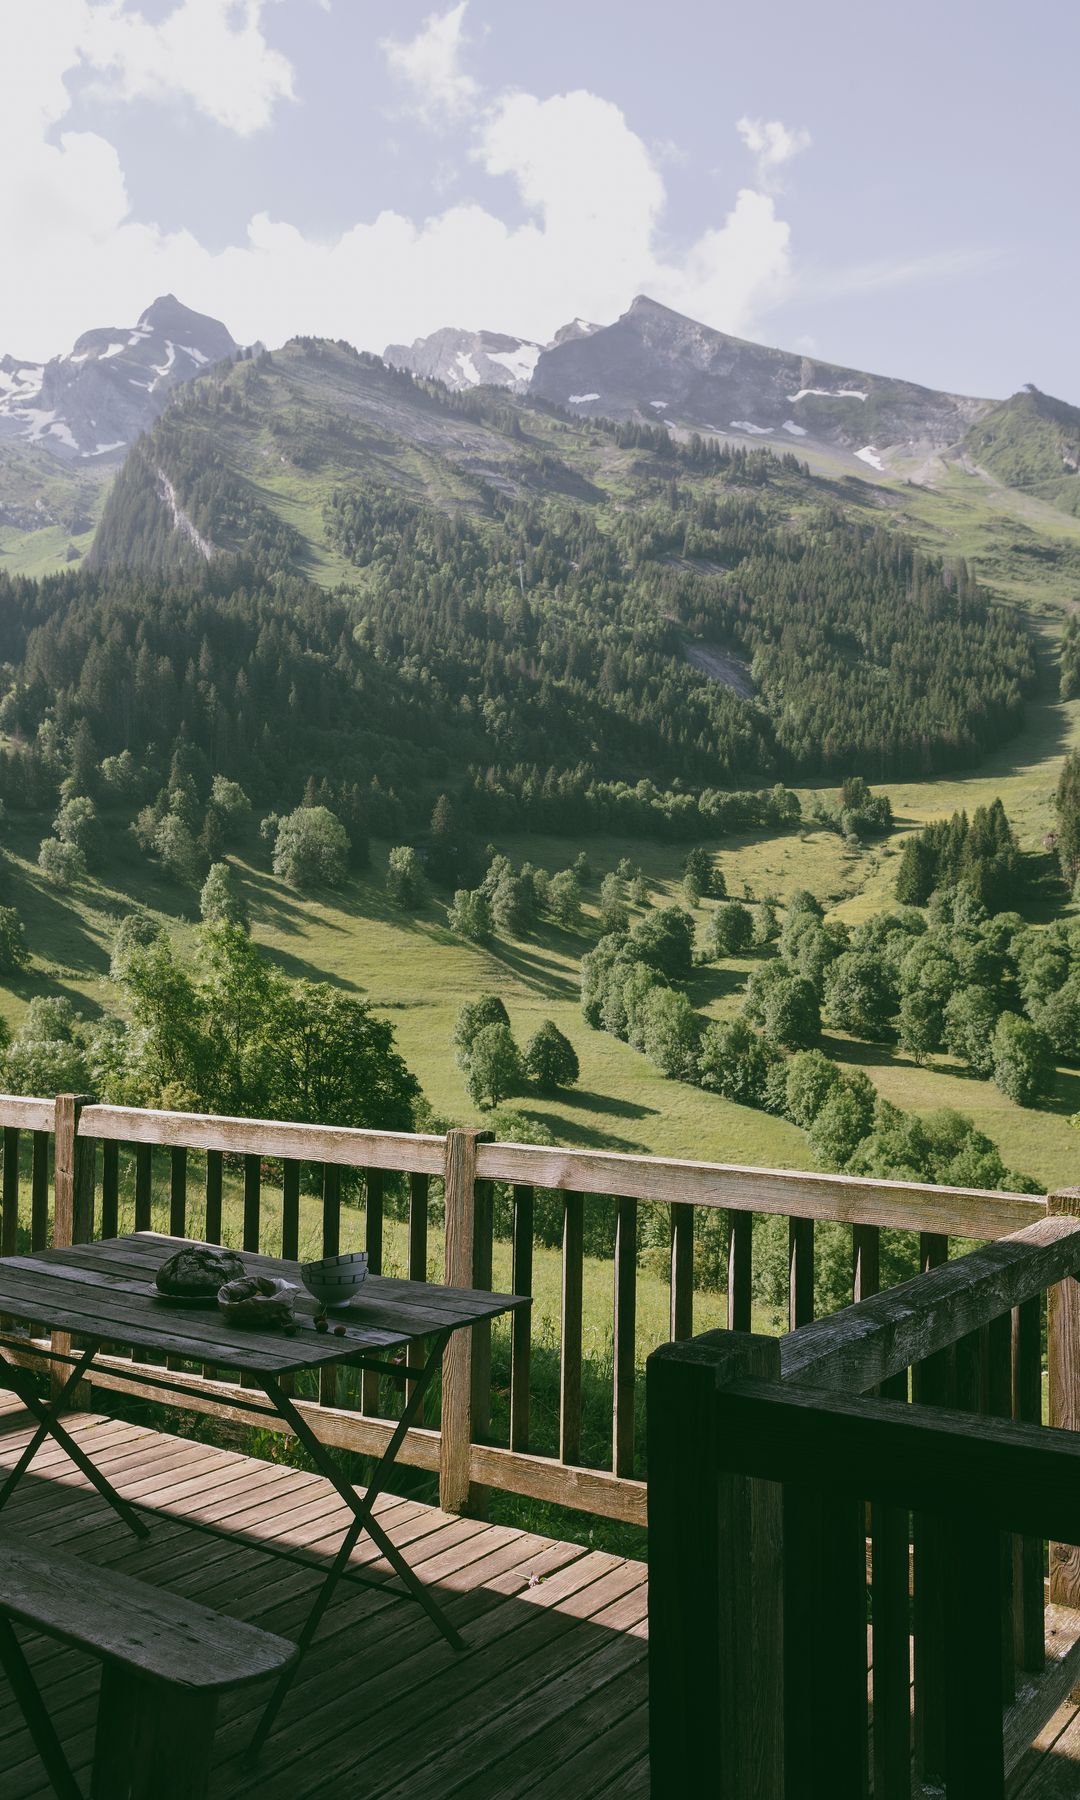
x,y
419,973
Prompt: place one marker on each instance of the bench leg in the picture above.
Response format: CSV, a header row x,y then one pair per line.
x,y
35,1712
154,1742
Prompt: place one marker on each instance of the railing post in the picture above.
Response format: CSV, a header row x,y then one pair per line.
x,y
462,1265
1063,1364
715,1584
73,1209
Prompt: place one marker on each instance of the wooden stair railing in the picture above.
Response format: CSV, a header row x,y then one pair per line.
x,y
763,1456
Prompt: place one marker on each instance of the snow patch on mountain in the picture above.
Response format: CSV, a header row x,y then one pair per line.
x,y
830,394
869,455
581,399
520,362
795,430
747,425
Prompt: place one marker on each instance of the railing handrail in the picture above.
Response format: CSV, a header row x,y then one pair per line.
x,y
350,1146
847,1199
865,1344
736,1187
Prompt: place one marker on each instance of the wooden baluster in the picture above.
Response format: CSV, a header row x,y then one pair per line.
x,y
331,1245
889,1543
1063,1368
998,1384
624,1338
73,1212
9,1203
570,1369
110,1188
252,1201
373,1232
331,1210
800,1272
930,1387
39,1192
419,1189
144,1187
483,1247
971,1665
9,1215
739,1269
178,1191
214,1172
682,1272
212,1220
716,1700
456,1493
866,1261
1029,1555
178,1161
521,1321
290,1210
825,1701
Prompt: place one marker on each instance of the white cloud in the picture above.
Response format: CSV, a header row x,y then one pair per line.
x,y
430,64
773,144
210,52
592,193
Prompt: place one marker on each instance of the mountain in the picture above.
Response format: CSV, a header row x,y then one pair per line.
x,y
654,363
1031,443
111,386
467,359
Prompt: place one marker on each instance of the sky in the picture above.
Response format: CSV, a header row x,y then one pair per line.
x,y
889,188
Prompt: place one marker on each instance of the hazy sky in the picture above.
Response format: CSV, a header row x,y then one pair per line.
x,y
889,187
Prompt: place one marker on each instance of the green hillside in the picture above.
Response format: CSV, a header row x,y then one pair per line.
x,y
1032,443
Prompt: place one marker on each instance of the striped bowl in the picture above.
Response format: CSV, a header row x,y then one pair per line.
x,y
335,1280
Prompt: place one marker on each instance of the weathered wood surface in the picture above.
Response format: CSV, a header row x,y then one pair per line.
x,y
105,1290
257,1137
863,1345
547,1698
24,1114
852,1199
1013,1476
126,1621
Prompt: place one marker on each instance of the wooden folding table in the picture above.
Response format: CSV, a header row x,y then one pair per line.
x,y
104,1293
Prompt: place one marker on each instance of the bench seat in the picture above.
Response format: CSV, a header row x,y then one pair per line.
x,y
165,1661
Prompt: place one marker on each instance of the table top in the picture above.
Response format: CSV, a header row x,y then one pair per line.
x,y
106,1290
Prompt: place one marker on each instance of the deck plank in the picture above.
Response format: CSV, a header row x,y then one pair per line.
x,y
547,1700
554,1630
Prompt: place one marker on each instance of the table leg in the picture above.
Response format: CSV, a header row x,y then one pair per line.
x,y
49,1426
363,1509
36,1714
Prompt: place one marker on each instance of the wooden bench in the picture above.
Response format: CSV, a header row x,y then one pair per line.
x,y
165,1661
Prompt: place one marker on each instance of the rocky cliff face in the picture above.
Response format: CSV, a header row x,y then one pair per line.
x,y
467,359
653,362
92,403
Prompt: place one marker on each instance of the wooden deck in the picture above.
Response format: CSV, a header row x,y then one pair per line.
x,y
548,1700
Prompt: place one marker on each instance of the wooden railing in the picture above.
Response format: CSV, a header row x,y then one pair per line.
x,y
766,1563
100,1152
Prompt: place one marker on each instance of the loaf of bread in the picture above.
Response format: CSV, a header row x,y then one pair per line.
x,y
198,1270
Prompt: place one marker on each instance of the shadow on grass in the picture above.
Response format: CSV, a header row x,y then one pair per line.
x,y
607,1103
586,1136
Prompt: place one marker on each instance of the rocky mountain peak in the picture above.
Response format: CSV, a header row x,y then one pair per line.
x,y
109,388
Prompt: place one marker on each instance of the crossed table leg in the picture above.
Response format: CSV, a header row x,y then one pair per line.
x,y
362,1506
47,1415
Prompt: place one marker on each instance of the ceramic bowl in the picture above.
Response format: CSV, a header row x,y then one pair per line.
x,y
335,1280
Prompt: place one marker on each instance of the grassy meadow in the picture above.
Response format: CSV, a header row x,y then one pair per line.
x,y
418,973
